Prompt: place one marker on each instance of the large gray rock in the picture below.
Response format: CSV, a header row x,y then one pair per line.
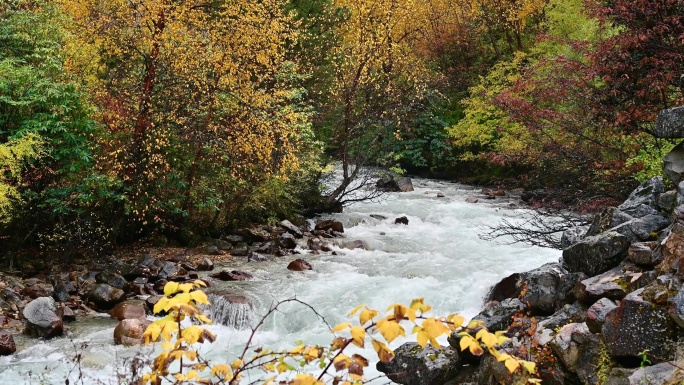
x,y
565,348
104,296
646,194
637,325
670,124
663,373
291,228
42,318
543,290
673,164
597,254
413,365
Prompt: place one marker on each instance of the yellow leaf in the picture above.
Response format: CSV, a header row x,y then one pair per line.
x,y
422,339
367,315
358,336
341,327
390,330
341,362
199,297
512,364
476,349
531,367
185,287
356,309
170,288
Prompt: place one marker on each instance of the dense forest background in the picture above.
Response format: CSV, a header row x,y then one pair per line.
x,y
125,118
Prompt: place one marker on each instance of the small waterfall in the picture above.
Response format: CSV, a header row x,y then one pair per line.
x,y
229,309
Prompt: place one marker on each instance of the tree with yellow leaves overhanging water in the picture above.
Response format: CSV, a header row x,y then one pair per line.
x,y
197,97
181,363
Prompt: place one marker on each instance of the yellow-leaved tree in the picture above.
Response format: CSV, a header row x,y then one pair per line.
x,y
180,361
198,99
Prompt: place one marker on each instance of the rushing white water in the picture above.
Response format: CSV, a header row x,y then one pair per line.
x,y
438,256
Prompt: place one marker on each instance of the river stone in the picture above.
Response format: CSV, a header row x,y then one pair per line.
x,y
565,348
291,228
597,254
233,275
38,289
129,309
413,365
335,226
299,265
206,265
673,164
129,332
636,325
42,318
596,315
104,296
287,241
670,123
7,346
111,279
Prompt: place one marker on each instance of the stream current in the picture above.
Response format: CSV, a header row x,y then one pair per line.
x,y
438,256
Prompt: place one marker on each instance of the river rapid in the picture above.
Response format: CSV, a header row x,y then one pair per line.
x,y
438,256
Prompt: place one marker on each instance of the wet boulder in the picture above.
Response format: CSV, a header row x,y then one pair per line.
x,y
413,365
129,309
330,225
637,325
287,241
596,315
597,254
299,265
7,346
206,265
42,318
401,221
291,229
233,275
129,332
104,296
